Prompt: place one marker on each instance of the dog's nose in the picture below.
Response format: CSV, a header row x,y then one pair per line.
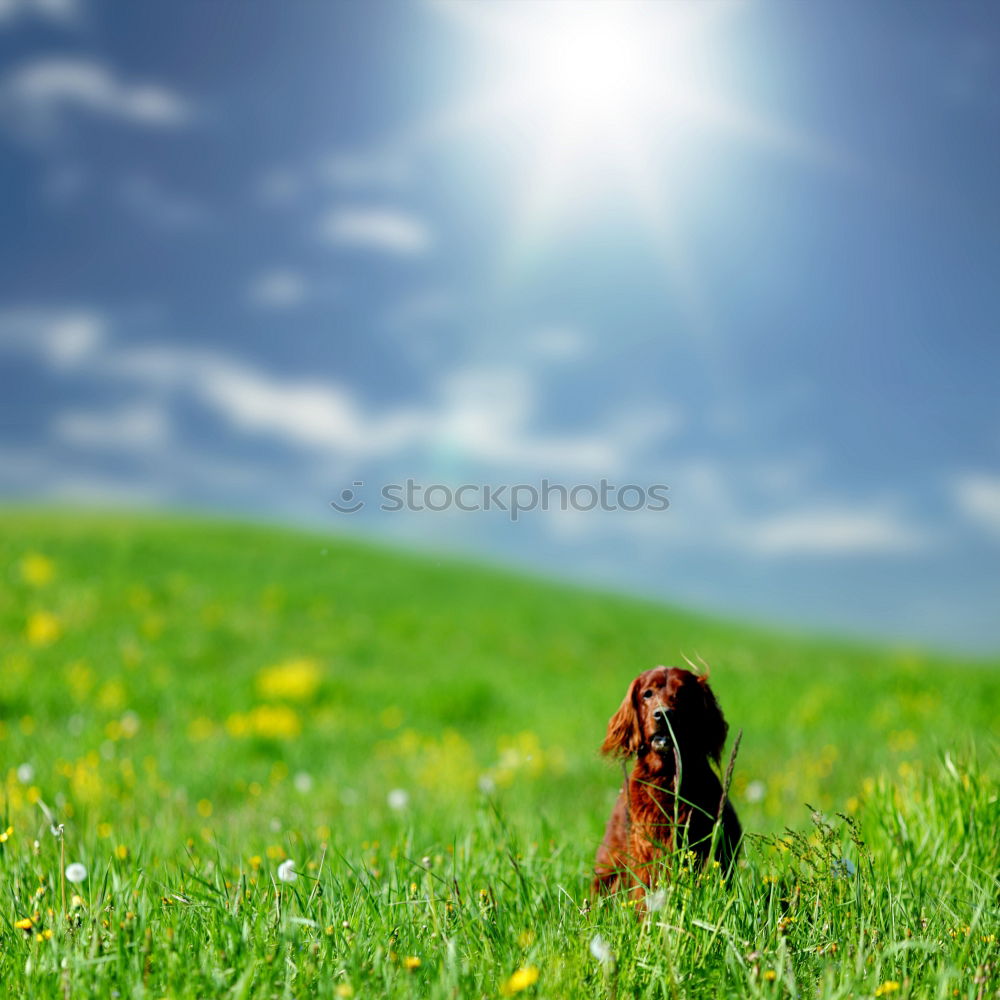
x,y
663,715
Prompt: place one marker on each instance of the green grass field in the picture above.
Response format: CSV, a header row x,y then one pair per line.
x,y
196,703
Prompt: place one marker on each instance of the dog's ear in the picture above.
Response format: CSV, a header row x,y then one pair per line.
x,y
624,735
713,724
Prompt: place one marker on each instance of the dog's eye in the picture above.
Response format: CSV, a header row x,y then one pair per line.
x,y
648,694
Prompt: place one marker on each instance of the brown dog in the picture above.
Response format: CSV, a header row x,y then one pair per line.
x,y
672,724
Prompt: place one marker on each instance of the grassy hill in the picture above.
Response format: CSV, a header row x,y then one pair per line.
x,y
198,701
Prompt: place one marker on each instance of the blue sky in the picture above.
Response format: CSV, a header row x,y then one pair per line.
x,y
253,253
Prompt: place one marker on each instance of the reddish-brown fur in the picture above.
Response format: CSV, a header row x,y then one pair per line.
x,y
653,817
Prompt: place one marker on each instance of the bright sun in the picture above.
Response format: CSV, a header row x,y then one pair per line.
x,y
591,100
588,72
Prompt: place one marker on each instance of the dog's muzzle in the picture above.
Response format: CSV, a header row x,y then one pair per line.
x,y
663,739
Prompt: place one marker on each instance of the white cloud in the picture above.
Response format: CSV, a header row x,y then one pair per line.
x,y
39,92
389,230
280,288
707,512
482,417
62,338
478,416
978,498
134,428
59,11
486,414
308,413
831,531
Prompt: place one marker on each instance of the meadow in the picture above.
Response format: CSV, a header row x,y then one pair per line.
x,y
239,761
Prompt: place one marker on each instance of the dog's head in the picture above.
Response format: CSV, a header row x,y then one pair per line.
x,y
663,706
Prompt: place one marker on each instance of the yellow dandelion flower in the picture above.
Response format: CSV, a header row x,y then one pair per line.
x,y
121,852
5,835
411,962
277,722
889,986
276,852
36,569
292,680
344,990
24,924
42,628
112,695
770,975
526,976
45,935
204,808
237,725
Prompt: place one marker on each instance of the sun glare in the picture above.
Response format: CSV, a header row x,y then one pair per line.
x,y
590,70
595,106
589,102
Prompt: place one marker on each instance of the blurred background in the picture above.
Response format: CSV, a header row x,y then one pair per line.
x,y
254,254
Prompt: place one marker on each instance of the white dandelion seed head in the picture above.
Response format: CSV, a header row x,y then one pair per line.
x,y
755,791
76,872
303,782
486,784
656,900
25,774
286,871
601,950
398,799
